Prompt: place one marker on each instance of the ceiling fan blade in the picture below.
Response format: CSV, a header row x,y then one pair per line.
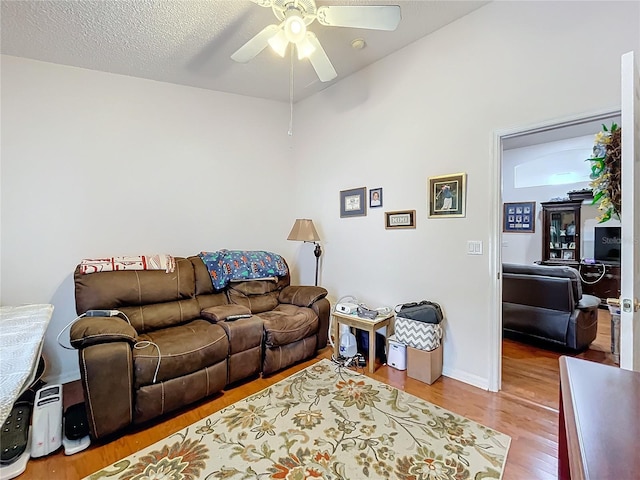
x,y
320,61
254,46
373,17
263,3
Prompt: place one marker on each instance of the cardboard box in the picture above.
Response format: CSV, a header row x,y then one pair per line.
x,y
424,366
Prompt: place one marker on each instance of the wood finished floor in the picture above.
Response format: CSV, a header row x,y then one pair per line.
x,y
526,409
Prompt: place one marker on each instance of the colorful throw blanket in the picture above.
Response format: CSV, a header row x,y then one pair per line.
x,y
132,262
232,265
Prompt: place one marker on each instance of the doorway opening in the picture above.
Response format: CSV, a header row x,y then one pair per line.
x,y
547,173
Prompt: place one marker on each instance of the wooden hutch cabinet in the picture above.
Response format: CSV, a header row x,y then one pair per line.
x,y
561,238
561,232
600,280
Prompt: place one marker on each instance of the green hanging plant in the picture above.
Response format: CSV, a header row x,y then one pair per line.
x,y
605,173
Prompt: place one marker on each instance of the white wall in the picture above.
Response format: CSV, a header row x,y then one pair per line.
x,y
549,159
431,109
95,164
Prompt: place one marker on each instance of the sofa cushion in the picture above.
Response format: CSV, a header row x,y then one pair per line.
x,y
302,296
222,312
287,324
552,293
243,334
162,315
254,287
557,271
184,349
109,290
255,303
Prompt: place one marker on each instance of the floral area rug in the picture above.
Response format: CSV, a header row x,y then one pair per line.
x,y
324,422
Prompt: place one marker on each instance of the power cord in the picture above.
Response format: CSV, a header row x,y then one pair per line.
x,y
112,313
604,270
350,298
92,313
357,361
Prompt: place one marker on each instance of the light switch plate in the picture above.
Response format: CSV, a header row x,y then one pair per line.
x,y
474,247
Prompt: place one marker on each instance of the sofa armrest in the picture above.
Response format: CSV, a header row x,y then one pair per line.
x,y
301,296
223,312
95,330
323,309
588,302
107,379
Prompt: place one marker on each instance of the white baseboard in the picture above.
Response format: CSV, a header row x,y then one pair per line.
x,y
465,377
61,379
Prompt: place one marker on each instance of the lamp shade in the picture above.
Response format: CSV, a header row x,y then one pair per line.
x,y
304,231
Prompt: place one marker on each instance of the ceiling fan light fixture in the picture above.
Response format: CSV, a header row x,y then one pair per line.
x,y
295,28
279,43
305,48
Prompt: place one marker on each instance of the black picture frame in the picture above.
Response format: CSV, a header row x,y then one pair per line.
x,y
353,202
375,197
519,217
446,195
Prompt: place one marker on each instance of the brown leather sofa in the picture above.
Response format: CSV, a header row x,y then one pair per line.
x,y
545,303
184,340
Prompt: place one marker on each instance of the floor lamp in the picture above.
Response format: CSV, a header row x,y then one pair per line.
x,y
304,231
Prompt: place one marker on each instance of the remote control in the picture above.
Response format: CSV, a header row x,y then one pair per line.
x,y
102,313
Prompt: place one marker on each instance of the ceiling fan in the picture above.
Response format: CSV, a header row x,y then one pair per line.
x,y
294,16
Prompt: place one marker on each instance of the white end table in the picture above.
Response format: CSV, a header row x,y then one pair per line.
x,y
370,326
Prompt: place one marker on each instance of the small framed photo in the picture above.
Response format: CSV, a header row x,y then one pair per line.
x,y
353,202
375,197
400,219
446,195
523,222
567,255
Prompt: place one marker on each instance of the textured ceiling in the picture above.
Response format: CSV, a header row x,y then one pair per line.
x,y
190,42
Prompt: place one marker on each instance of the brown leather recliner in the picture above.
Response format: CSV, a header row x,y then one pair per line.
x,y
178,343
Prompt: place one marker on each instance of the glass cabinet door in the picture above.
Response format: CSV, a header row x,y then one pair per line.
x,y
561,242
563,236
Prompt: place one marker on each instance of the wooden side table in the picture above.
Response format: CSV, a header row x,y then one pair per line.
x,y
598,429
363,324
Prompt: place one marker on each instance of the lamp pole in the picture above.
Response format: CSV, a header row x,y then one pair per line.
x,y
317,252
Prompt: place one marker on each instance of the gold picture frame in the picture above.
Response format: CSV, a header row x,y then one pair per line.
x,y
400,219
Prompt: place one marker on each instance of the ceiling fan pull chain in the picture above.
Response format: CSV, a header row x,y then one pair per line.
x,y
291,94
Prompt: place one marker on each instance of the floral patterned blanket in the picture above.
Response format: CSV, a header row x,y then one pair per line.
x,y
324,422
233,265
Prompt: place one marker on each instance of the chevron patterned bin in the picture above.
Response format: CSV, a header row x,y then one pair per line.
x,y
423,336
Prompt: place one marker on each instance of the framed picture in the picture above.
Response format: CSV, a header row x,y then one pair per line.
x,y
567,255
400,219
353,202
446,195
375,197
519,217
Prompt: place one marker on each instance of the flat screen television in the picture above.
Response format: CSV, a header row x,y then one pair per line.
x,y
607,245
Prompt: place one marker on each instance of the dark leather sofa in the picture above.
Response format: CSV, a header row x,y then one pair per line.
x,y
546,303
183,342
